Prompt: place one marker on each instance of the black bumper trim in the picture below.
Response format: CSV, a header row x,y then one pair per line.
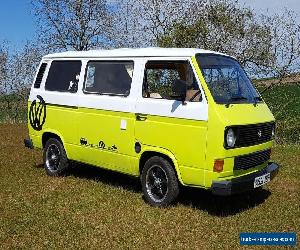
x,y
244,183
28,143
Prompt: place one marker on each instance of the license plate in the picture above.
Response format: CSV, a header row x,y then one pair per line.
x,y
261,180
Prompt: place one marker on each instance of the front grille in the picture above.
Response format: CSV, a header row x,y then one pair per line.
x,y
249,135
251,160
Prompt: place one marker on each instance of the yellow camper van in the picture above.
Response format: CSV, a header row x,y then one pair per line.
x,y
169,116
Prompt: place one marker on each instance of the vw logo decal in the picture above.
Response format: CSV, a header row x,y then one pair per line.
x,y
259,133
37,114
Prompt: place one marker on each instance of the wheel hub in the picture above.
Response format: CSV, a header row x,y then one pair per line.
x,y
53,158
157,183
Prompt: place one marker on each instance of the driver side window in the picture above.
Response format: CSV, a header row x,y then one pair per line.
x,y
160,76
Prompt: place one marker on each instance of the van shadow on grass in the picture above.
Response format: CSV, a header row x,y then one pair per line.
x,y
191,197
222,206
80,170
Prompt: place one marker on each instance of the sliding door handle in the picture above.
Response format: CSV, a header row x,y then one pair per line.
x,y
140,117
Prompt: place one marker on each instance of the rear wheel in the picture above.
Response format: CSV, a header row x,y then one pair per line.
x,y
159,182
55,158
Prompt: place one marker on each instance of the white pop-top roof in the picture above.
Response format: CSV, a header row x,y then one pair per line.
x,y
125,52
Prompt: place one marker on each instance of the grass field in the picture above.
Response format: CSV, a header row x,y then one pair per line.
x,y
94,208
17,110
284,102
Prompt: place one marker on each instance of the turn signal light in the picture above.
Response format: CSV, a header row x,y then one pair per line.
x,y
218,166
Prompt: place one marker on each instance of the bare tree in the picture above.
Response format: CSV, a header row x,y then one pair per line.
x,y
73,24
126,25
284,48
222,26
3,66
17,72
3,77
142,23
284,70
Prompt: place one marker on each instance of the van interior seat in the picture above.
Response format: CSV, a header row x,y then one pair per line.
x,y
155,95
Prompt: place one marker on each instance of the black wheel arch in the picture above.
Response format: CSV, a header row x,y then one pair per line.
x,y
146,155
48,135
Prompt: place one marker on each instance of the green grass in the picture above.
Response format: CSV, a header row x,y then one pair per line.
x,y
17,113
94,208
284,102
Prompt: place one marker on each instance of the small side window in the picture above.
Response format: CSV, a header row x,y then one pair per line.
x,y
109,77
63,76
160,77
39,77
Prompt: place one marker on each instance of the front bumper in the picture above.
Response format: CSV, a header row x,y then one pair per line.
x,y
28,143
244,183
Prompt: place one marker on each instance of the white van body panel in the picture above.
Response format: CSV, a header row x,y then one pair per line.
x,y
126,52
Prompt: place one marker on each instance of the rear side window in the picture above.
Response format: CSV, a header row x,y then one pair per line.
x,y
63,76
40,75
109,78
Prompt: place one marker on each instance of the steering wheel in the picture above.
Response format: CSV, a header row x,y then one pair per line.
x,y
195,95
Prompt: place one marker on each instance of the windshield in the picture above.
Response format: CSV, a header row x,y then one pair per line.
x,y
226,80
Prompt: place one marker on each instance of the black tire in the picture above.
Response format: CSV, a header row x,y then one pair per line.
x,y
55,158
159,182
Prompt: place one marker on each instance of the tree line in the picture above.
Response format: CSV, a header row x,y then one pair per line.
x,y
267,45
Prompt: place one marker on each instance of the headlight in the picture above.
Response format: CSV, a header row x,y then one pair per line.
x,y
273,131
230,138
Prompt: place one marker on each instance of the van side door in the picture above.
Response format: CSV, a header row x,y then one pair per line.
x,y
106,118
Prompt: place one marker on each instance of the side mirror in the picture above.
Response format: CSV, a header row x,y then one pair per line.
x,y
179,90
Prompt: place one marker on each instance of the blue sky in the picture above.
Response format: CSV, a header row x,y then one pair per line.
x,y
17,22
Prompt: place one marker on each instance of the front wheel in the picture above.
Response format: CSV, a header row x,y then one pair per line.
x,y
159,182
55,158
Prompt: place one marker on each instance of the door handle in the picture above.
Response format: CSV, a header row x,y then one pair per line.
x,y
140,117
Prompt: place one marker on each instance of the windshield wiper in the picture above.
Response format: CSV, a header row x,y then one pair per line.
x,y
237,98
257,98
